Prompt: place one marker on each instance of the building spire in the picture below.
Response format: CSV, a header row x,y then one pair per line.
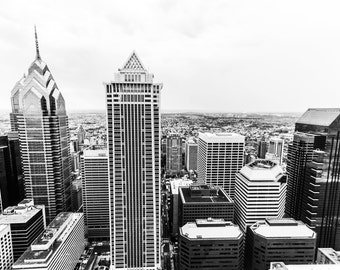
x,y
37,56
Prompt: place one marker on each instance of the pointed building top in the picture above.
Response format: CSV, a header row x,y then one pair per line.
x,y
37,56
134,63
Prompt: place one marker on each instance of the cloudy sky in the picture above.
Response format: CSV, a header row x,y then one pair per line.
x,y
218,56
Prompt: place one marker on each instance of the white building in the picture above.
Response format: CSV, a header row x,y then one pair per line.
x,y
328,256
133,113
220,156
58,248
259,193
95,191
6,250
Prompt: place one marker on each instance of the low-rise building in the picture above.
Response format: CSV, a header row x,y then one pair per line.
x,y
328,256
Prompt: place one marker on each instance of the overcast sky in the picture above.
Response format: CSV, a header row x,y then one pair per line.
x,y
219,56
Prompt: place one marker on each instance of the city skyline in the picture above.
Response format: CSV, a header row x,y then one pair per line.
x,y
226,47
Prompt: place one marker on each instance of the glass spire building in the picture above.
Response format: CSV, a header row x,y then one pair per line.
x,y
39,117
133,118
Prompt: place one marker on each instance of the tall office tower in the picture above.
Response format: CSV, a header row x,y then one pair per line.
x,y
278,240
275,150
262,148
133,116
26,221
95,179
173,154
39,115
220,156
6,250
210,244
11,179
191,149
317,129
81,134
174,201
260,193
59,247
203,201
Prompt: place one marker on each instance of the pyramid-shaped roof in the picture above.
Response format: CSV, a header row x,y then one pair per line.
x,y
319,116
133,63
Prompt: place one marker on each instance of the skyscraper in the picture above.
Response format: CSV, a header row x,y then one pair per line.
x,y
6,250
173,154
260,193
220,156
191,149
313,174
39,116
133,118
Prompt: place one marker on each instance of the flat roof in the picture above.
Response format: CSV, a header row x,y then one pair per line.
x,y
262,170
283,266
3,227
331,254
221,137
221,197
45,245
176,183
214,231
19,214
283,228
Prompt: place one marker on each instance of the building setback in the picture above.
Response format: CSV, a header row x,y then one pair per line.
x,y
26,221
220,157
133,117
59,247
204,201
278,240
260,193
6,251
313,174
210,244
95,189
39,116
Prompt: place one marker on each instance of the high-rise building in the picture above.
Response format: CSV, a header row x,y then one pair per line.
x,y
174,202
133,117
39,116
27,222
210,244
173,154
262,148
95,179
220,156
59,247
278,240
275,150
6,251
260,193
313,182
191,149
203,201
11,178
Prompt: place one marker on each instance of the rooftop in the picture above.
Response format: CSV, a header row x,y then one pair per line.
x,y
222,137
204,194
282,228
331,254
44,246
283,266
95,153
319,116
176,183
21,213
262,170
210,229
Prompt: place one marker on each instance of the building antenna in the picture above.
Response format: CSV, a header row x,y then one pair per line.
x,y
36,44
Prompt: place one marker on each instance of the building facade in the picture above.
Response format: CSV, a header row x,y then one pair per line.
x,y
313,176
191,150
260,193
27,222
6,251
173,154
39,116
95,189
220,157
210,244
133,126
202,202
278,240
